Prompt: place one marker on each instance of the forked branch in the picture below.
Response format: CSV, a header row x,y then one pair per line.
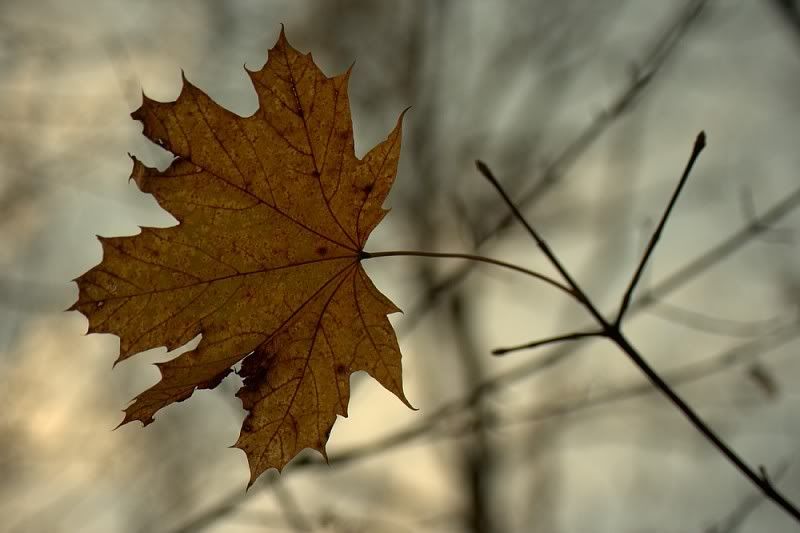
x,y
613,332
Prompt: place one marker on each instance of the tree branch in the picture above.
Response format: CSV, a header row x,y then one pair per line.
x,y
614,333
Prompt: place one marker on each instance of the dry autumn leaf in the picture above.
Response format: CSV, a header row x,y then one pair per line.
x,y
274,211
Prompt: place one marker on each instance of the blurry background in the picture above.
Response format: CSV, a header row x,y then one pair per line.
x,y
586,111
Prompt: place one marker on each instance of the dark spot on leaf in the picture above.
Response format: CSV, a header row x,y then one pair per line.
x,y
340,369
322,251
252,371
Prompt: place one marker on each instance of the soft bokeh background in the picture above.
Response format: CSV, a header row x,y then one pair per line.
x,y
585,110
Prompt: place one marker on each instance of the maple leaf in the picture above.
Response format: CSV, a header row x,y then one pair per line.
x,y
274,211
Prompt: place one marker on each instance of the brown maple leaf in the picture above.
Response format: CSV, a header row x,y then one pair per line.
x,y
274,211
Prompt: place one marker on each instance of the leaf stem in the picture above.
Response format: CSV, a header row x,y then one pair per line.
x,y
470,257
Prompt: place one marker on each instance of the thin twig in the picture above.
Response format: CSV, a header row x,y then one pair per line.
x,y
549,340
699,144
